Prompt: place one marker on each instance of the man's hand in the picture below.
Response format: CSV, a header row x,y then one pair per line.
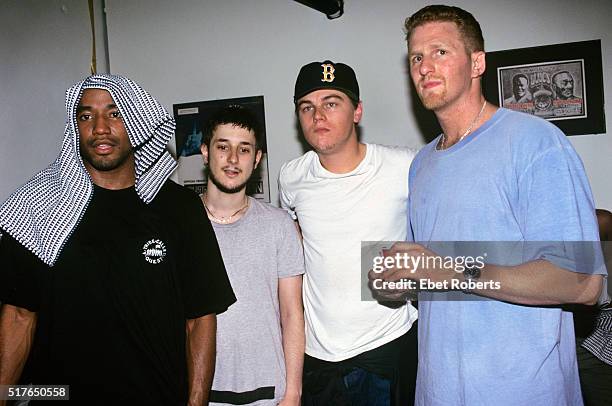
x,y
385,291
290,401
405,264
538,282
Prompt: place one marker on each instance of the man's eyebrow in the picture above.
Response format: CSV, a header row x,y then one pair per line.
x,y
326,98
431,46
81,107
226,140
333,96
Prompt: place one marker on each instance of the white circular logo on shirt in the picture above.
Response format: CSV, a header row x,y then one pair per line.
x,y
154,251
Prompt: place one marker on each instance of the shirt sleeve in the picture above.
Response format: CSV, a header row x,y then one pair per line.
x,y
286,202
20,275
205,285
289,252
557,213
410,180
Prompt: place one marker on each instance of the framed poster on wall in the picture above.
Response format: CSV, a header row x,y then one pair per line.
x,y
562,83
190,119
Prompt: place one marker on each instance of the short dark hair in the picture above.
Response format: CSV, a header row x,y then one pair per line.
x,y
467,24
236,115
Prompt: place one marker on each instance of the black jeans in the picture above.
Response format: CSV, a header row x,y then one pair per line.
x,y
383,376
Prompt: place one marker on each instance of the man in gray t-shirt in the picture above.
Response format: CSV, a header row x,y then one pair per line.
x,y
260,339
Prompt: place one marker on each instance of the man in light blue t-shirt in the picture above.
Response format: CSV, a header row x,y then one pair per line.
x,y
510,184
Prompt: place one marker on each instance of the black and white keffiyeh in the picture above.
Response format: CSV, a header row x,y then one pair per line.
x,y
42,213
599,342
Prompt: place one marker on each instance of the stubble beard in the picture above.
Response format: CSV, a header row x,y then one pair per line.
x,y
103,164
226,189
325,148
434,102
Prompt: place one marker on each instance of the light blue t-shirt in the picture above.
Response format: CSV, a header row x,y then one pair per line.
x,y
517,178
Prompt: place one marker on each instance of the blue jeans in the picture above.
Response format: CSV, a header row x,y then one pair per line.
x,y
367,389
383,376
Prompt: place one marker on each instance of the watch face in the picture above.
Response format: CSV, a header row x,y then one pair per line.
x,y
471,273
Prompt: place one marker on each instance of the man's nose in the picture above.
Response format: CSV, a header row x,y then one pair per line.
x,y
100,126
233,155
319,113
426,66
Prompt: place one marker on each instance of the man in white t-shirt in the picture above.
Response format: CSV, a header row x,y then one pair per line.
x,y
342,193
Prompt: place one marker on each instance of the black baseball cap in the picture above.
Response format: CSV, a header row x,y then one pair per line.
x,y
326,75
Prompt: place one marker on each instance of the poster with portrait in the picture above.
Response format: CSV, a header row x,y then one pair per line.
x,y
190,119
554,91
562,83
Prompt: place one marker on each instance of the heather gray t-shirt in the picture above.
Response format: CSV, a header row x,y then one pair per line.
x,y
257,250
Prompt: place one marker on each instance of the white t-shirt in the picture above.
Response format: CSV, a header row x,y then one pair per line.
x,y
336,213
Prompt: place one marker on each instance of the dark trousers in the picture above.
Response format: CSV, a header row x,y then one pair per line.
x,y
595,378
384,376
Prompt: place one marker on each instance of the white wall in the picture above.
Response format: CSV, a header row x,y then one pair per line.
x,y
188,50
45,47
199,50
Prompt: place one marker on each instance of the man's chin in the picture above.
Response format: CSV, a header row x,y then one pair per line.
x,y
231,190
324,148
433,103
225,188
104,165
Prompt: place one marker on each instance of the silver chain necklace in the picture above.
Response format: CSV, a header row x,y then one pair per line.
x,y
223,219
469,129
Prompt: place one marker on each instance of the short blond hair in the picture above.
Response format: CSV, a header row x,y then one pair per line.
x,y
466,23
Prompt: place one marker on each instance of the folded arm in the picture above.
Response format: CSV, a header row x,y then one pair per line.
x,y
537,282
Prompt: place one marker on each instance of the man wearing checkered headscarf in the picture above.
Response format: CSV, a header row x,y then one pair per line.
x,y
109,272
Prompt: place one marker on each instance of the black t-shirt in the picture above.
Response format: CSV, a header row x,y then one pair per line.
x,y
112,310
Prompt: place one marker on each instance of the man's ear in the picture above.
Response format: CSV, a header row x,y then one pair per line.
x,y
358,113
479,64
204,150
257,158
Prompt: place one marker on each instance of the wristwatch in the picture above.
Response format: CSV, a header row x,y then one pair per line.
x,y
471,273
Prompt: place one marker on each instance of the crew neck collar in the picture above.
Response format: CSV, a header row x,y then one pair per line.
x,y
472,137
243,218
362,167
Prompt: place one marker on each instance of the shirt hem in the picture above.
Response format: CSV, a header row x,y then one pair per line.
x,y
378,343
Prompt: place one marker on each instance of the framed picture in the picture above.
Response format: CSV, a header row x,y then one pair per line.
x,y
190,118
562,83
